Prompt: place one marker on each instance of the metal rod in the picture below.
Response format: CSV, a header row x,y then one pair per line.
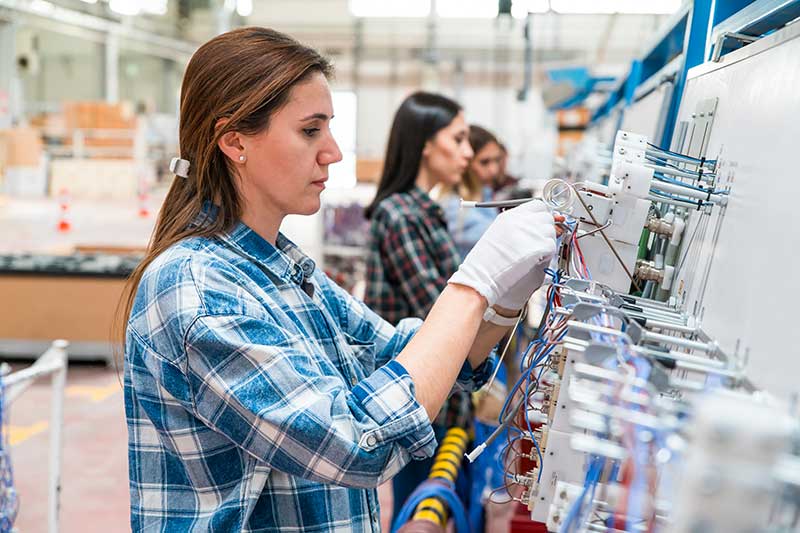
x,y
673,327
594,329
634,314
686,191
498,204
680,356
58,383
667,339
674,171
670,201
705,370
592,232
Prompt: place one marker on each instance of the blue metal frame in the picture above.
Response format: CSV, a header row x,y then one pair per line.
x,y
622,94
666,45
753,18
690,33
583,82
694,53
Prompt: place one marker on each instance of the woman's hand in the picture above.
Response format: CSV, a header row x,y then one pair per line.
x,y
505,256
559,229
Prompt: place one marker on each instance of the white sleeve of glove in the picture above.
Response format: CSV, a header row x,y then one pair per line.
x,y
518,240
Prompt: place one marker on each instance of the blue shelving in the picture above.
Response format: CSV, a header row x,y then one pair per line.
x,y
687,40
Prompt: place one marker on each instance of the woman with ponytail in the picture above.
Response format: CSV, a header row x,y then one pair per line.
x,y
260,396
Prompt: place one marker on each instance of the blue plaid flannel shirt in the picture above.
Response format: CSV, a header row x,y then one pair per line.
x,y
260,396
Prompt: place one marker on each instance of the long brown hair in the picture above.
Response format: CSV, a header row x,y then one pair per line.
x,y
244,76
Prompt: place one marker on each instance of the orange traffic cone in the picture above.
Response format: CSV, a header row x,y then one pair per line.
x,y
64,225
144,199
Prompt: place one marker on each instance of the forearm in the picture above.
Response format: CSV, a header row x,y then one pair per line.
x,y
434,357
488,336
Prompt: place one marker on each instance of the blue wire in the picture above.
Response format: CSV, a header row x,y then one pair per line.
x,y
661,177
671,197
590,482
433,489
681,155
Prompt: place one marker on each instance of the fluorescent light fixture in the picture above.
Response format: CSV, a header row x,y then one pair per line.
x,y
244,7
154,7
390,8
521,8
652,7
466,8
41,6
124,7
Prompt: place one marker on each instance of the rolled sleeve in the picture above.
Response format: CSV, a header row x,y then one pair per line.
x,y
470,380
265,390
387,396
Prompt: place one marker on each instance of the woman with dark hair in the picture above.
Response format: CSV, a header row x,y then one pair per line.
x,y
411,253
259,396
467,225
412,256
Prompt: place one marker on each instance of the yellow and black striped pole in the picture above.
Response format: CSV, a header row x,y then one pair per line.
x,y
445,468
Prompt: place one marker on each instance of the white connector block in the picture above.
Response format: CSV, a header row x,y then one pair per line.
x,y
628,219
564,497
631,140
600,207
630,179
602,263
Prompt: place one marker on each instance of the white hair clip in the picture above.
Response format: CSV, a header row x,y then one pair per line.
x,y
179,167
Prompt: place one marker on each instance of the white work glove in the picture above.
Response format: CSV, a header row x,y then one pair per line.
x,y
517,241
518,295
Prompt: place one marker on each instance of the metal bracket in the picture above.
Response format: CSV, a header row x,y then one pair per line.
x,y
720,42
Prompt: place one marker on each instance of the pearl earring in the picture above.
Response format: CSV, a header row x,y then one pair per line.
x,y
242,158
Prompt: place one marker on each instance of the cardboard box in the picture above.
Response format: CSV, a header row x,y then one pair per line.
x,y
369,170
20,147
98,178
42,307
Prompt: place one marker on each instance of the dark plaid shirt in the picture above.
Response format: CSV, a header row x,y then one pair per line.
x,y
410,258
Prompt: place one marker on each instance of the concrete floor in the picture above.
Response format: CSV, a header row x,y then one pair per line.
x,y
94,468
94,472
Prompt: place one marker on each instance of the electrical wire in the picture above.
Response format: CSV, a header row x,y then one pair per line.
x,y
673,181
670,152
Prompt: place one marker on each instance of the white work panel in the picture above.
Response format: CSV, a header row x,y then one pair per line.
x,y
647,113
644,115
740,272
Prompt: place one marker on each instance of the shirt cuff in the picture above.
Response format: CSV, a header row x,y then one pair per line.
x,y
387,396
470,380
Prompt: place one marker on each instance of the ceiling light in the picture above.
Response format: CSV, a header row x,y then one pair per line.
x,y
154,7
124,7
466,9
42,6
390,8
244,7
655,7
521,8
